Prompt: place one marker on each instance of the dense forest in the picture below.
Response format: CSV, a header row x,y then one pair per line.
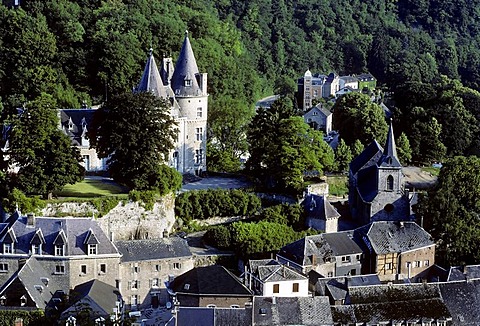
x,y
87,50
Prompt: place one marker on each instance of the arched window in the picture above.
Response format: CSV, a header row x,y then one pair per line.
x,y
389,182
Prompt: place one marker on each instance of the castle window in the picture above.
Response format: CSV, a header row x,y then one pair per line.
x,y
36,249
3,267
199,133
199,112
188,82
390,183
198,156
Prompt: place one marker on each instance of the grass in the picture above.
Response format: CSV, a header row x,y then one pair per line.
x,y
91,188
338,185
432,170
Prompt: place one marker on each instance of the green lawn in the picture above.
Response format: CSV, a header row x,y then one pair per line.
x,y
338,185
91,188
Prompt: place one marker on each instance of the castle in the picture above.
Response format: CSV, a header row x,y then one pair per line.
x,y
184,87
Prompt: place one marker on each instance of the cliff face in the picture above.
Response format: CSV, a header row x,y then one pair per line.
x,y
128,220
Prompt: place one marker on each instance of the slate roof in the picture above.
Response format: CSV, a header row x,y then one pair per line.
x,y
186,69
292,311
319,207
411,302
151,80
389,157
323,246
367,183
349,79
387,236
99,296
462,299
342,243
253,264
459,273
321,109
153,249
36,282
80,118
198,316
276,273
76,231
365,77
370,156
209,280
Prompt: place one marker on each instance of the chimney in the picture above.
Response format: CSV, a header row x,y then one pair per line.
x,y
21,263
30,219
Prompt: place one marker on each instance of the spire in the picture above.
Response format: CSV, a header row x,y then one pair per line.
x,y
184,82
389,157
151,80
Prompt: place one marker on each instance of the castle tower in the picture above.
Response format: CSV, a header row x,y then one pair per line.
x,y
190,91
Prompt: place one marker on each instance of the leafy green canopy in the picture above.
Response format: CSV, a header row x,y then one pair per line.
x,y
43,154
135,132
283,148
451,211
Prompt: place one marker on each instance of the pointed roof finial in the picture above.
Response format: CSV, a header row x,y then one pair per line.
x,y
389,156
186,33
150,52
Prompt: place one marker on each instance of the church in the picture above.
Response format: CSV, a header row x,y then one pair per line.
x,y
184,87
376,184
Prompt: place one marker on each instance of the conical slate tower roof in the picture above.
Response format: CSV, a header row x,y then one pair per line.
x,y
183,80
389,157
151,80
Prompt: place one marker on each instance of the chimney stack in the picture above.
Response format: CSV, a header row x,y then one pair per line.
x,y
30,219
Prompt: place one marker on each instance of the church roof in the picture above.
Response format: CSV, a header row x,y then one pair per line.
x,y
370,155
151,80
184,82
389,157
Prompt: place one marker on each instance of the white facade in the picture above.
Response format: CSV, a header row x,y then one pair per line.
x,y
291,288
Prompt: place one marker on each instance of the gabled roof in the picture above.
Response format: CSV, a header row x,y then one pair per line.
x,y
276,273
201,316
253,264
152,249
80,119
36,282
292,311
319,108
38,238
61,238
322,246
394,237
462,300
100,297
91,239
370,156
186,69
209,280
319,207
9,236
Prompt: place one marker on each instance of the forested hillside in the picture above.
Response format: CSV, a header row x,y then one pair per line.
x,y
86,50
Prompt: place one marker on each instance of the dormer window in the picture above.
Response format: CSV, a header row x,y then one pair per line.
x,y
92,249
37,243
188,82
59,250
36,249
70,124
8,248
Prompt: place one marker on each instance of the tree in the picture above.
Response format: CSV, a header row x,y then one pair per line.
x,y
343,156
357,148
355,116
451,211
404,152
135,132
283,148
44,155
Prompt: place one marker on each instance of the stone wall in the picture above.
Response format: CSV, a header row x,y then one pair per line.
x,y
128,220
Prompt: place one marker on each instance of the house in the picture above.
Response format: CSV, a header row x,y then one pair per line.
x,y
74,123
376,184
72,251
308,311
314,87
211,286
319,118
396,250
344,90
348,81
145,267
267,277
321,215
185,88
401,304
366,81
330,254
95,301
30,287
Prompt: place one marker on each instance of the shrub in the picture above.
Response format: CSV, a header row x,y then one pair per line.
x,y
147,197
218,236
25,204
